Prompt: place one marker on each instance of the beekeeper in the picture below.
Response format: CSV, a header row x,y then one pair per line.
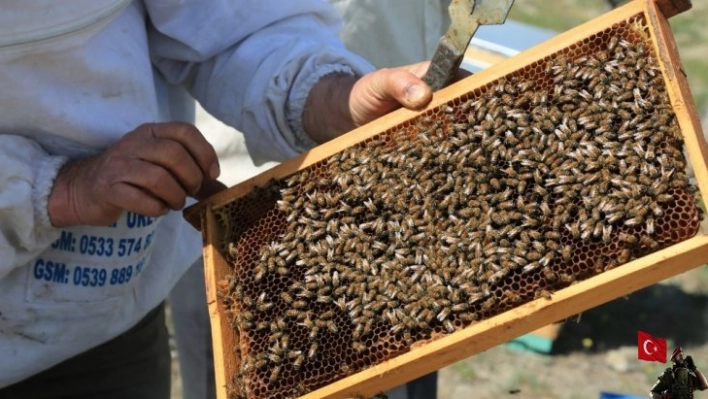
x,y
96,159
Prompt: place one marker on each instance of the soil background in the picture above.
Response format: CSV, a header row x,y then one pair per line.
x,y
598,353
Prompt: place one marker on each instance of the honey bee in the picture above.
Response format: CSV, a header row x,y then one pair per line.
x,y
488,304
528,268
511,296
444,313
358,346
274,373
262,325
613,217
468,317
656,209
624,256
236,289
635,221
312,352
460,307
627,238
262,305
449,327
606,232
525,85
286,297
650,225
566,278
324,299
332,326
543,294
648,242
546,259
533,255
663,198
260,271
299,359
314,330
586,224
246,315
548,274
260,364
244,324
284,343
274,357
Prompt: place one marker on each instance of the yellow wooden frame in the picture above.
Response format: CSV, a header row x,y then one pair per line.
x,y
525,318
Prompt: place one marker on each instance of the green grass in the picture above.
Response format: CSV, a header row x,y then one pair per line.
x,y
465,370
559,15
689,30
697,73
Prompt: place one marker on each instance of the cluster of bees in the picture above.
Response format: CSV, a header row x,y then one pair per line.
x,y
496,198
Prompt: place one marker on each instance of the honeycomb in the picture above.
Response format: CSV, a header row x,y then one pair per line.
x,y
568,167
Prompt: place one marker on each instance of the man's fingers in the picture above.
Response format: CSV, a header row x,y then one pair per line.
x,y
193,141
421,68
408,89
148,171
405,85
418,69
157,182
134,199
385,90
397,86
172,155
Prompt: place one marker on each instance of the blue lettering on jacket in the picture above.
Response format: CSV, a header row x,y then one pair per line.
x,y
134,220
51,271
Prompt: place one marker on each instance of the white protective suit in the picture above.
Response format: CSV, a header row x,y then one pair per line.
x,y
75,76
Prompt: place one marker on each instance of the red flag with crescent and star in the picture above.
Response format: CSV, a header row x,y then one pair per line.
x,y
651,349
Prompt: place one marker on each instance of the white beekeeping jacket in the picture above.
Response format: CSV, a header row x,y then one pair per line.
x,y
387,33
391,33
75,76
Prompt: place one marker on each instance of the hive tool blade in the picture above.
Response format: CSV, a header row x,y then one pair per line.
x,y
466,16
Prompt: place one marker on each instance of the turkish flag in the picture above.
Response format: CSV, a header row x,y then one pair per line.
x,y
650,348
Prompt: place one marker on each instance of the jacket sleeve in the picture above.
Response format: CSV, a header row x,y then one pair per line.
x,y
27,174
251,63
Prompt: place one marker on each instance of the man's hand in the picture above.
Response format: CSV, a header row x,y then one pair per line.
x,y
380,92
339,103
689,363
149,171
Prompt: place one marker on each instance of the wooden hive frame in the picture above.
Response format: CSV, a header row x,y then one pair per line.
x,y
523,319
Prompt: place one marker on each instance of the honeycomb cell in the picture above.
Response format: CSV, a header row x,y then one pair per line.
x,y
505,194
